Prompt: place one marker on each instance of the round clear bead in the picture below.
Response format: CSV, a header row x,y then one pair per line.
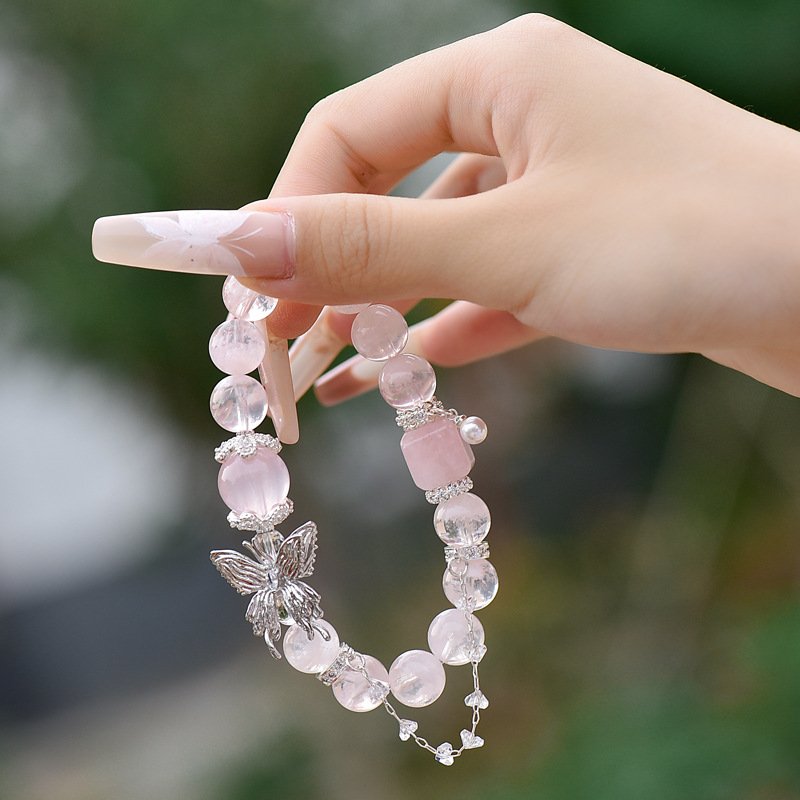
x,y
244,303
406,381
354,691
379,332
462,520
311,655
416,678
473,430
238,403
449,636
237,347
480,582
354,308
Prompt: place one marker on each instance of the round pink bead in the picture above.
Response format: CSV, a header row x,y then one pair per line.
x,y
379,332
406,381
237,347
254,484
449,636
244,303
416,678
353,690
238,403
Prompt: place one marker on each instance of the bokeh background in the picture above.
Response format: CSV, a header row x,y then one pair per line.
x,y
646,640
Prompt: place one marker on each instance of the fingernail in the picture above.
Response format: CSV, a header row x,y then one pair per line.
x,y
351,378
276,377
260,243
313,352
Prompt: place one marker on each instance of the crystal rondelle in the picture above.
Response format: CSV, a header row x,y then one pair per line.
x,y
416,678
449,637
237,347
255,484
354,691
480,582
379,332
462,520
406,381
238,403
244,303
311,655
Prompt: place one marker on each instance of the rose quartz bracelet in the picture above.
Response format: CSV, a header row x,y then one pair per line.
x,y
254,483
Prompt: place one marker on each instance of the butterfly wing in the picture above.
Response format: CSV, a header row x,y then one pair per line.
x,y
302,604
244,574
262,613
296,553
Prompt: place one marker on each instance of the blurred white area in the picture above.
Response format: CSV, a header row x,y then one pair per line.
x,y
92,472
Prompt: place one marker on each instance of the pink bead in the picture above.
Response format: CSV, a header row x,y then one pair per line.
x,y
406,381
354,691
244,303
416,678
379,332
254,484
237,347
436,454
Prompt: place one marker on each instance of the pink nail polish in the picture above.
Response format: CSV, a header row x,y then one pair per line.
x,y
252,243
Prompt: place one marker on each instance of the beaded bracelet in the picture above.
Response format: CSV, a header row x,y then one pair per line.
x,y
254,484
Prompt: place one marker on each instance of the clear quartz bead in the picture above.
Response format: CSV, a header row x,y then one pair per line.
x,y
449,636
379,332
238,403
462,520
406,381
311,655
237,347
255,484
355,692
416,678
244,303
480,582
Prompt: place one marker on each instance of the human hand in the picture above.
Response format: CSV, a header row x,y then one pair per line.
x,y
602,201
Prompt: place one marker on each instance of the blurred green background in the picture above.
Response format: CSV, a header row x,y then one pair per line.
x,y
646,639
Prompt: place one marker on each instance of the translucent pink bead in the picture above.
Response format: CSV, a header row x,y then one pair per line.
x,y
449,638
237,347
244,303
480,582
416,678
436,454
238,403
254,484
406,381
379,332
462,520
311,655
353,690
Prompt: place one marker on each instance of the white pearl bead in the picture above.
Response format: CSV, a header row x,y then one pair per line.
x,y
416,678
449,639
462,520
311,655
480,582
473,430
353,690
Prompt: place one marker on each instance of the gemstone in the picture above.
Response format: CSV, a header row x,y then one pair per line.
x,y
237,347
480,583
444,754
477,699
435,454
355,692
407,728
416,678
478,652
379,332
238,403
449,636
473,430
255,484
406,381
311,655
470,740
462,520
244,303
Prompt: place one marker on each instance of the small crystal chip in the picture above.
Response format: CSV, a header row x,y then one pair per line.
x,y
407,728
444,754
378,691
470,740
477,699
477,653
436,496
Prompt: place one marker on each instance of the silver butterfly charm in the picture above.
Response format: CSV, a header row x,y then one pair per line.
x,y
273,580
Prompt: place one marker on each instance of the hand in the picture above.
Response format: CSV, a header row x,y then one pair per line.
x,y
604,202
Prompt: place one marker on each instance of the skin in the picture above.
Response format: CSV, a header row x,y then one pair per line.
x,y
598,200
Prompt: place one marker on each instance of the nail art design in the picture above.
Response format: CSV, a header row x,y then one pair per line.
x,y
215,242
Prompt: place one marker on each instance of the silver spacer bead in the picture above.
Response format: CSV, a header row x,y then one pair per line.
x,y
246,444
340,664
251,522
467,553
410,418
436,496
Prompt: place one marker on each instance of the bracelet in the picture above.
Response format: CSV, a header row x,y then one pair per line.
x,y
254,483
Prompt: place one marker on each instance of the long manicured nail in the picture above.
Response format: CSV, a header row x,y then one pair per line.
x,y
258,243
313,352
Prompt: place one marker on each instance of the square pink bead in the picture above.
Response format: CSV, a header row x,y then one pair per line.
x,y
436,454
